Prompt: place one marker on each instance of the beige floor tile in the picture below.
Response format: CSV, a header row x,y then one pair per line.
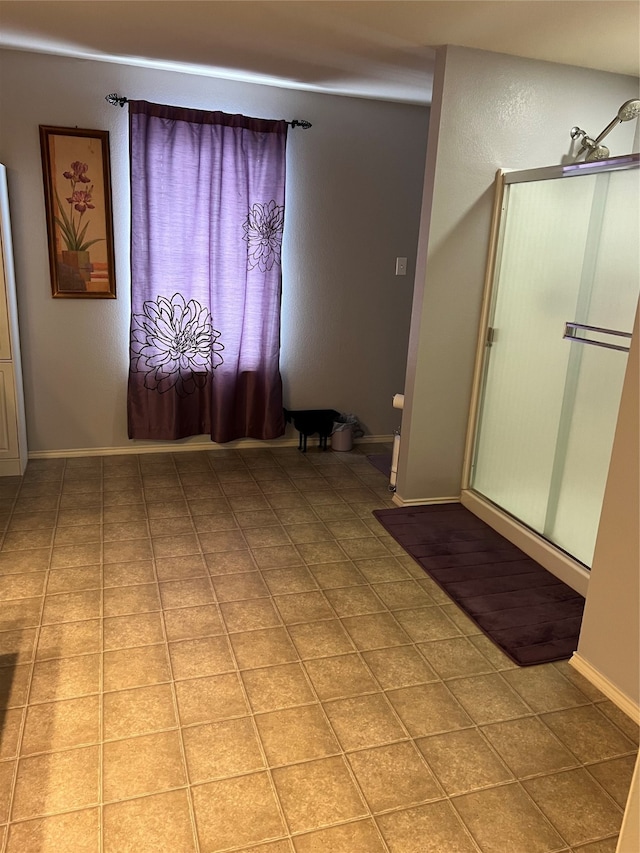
x,y
488,699
430,828
424,624
56,782
78,831
60,725
528,747
142,765
455,657
394,776
24,585
337,575
70,580
505,818
544,689
77,534
354,601
156,824
364,721
66,556
186,593
135,667
427,709
276,556
20,614
276,687
222,541
181,568
10,732
382,569
27,539
136,629
215,523
202,656
231,812
317,794
494,654
340,677
399,666
624,722
264,517
262,537
215,697
188,623
131,549
65,678
32,560
312,531
17,646
607,845
322,552
320,639
143,710
124,530
124,600
14,685
367,548
361,836
296,734
303,607
348,529
72,606
7,771
238,587
463,761
400,595
592,814
267,647
375,631
128,574
176,545
218,750
588,733
230,563
289,580
249,615
578,680
69,638
615,777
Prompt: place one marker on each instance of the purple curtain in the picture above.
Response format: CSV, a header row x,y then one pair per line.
x,y
207,207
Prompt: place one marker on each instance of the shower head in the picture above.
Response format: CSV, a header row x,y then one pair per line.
x,y
629,110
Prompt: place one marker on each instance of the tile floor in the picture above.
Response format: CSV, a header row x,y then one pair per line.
x,y
224,651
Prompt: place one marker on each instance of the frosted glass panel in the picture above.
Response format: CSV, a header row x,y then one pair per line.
x,y
569,253
583,459
537,291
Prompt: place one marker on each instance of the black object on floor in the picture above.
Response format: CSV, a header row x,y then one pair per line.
x,y
381,461
533,616
311,421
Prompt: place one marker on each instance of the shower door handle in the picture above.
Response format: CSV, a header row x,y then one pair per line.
x,y
571,330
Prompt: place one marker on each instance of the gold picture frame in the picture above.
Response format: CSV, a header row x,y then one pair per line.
x,y
77,192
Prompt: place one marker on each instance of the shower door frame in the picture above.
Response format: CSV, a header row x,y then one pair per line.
x,y
551,557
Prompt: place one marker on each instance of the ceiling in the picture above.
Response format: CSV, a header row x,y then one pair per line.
x,y
383,49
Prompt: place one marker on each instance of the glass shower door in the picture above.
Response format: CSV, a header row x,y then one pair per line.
x,y
549,403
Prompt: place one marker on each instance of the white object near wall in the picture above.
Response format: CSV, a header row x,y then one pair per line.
x,y
13,432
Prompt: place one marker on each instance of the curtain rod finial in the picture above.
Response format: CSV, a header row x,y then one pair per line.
x,y
305,125
116,100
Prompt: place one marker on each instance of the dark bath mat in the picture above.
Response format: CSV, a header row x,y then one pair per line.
x,y
381,461
533,616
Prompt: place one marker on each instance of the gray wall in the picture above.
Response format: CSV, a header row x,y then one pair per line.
x,y
353,201
489,111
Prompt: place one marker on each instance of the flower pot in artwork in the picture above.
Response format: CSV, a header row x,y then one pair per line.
x,y
79,261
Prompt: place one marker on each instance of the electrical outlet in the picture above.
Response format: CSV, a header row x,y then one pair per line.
x,y
401,266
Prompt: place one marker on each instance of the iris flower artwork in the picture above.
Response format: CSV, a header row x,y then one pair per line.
x,y
78,202
174,344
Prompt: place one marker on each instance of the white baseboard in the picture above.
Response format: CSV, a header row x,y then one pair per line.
x,y
605,686
424,501
185,446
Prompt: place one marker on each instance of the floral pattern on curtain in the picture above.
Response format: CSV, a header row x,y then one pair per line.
x,y
207,207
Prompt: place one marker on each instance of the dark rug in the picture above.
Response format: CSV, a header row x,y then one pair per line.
x,y
381,461
533,616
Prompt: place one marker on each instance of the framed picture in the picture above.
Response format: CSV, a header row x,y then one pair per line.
x,y
77,192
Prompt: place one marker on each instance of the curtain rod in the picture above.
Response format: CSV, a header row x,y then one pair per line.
x,y
120,100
